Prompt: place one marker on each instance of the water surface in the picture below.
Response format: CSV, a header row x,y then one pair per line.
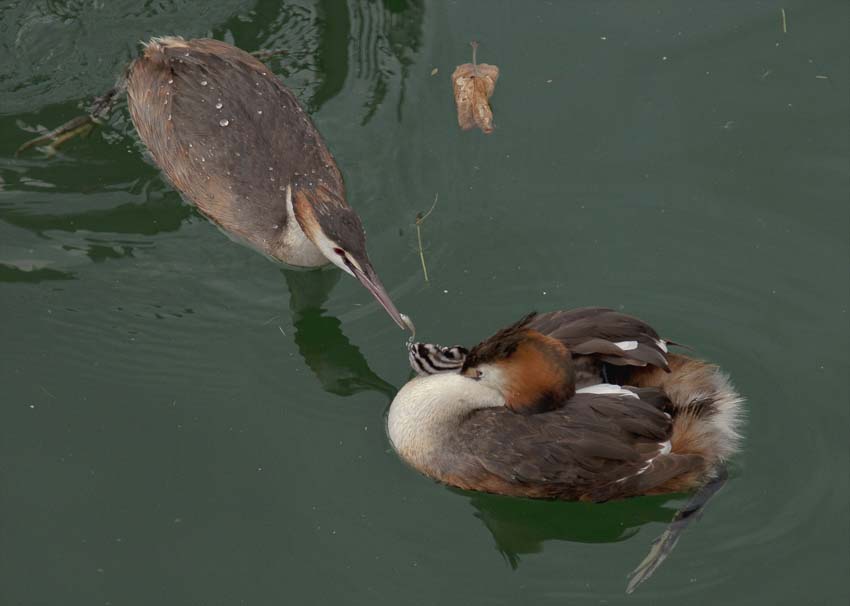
x,y
183,422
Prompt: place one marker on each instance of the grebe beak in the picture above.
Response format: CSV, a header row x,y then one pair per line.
x,y
372,282
338,234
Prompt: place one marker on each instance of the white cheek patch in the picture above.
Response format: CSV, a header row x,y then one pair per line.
x,y
322,242
327,247
493,377
627,345
607,389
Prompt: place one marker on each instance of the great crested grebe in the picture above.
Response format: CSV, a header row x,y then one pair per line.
x,y
584,405
235,142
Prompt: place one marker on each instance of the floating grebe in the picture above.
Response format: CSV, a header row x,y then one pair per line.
x,y
235,142
584,405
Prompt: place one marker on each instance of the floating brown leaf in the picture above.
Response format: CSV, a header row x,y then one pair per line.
x,y
474,84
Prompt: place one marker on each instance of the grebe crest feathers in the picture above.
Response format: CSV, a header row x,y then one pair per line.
x,y
533,372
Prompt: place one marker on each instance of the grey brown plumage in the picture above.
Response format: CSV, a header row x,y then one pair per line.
x,y
230,136
575,405
707,409
595,332
596,447
597,443
236,143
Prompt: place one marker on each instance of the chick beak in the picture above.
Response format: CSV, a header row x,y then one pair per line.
x,y
372,282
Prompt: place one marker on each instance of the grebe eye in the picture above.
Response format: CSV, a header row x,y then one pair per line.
x,y
345,258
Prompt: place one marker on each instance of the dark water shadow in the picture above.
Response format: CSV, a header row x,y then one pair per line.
x,y
374,41
389,36
523,526
335,361
332,53
147,219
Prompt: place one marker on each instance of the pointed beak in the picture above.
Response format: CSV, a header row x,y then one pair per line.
x,y
372,282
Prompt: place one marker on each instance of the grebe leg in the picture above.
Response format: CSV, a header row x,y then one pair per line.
x,y
99,109
664,544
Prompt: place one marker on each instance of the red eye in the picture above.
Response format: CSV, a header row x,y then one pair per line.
x,y
339,251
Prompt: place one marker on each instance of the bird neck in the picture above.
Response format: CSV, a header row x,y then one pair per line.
x,y
302,213
427,410
293,246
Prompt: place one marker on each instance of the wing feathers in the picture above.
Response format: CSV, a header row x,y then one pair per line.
x,y
597,447
616,338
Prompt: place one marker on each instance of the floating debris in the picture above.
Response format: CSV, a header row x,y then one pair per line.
x,y
420,219
473,85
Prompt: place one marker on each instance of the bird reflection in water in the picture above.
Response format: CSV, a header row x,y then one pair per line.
x,y
334,360
522,526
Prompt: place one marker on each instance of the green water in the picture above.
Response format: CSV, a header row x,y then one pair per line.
x,y
182,422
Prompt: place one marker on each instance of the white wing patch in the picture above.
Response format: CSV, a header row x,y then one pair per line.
x,y
627,345
607,389
662,345
666,447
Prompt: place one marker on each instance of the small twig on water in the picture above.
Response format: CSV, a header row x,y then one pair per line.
x,y
784,21
420,219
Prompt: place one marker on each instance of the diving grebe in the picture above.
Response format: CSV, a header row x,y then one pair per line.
x,y
585,404
235,142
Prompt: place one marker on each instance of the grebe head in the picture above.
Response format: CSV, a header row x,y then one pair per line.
x,y
337,232
533,372
429,359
